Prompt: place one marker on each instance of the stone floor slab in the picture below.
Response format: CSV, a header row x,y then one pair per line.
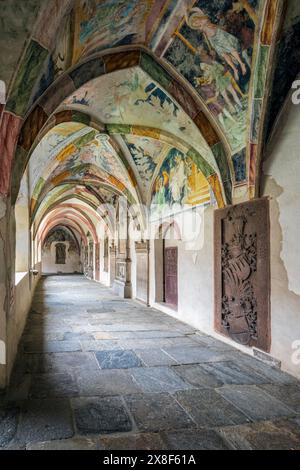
x,y
107,382
287,394
101,416
264,435
208,409
132,441
158,379
196,439
59,385
228,372
254,402
117,359
43,420
193,355
155,357
157,411
9,417
195,375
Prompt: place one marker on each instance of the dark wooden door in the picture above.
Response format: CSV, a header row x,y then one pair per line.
x,y
171,268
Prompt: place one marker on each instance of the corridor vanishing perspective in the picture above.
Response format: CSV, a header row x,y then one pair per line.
x,y
98,372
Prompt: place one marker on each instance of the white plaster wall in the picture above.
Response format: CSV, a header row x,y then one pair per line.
x,y
23,297
281,183
49,266
195,278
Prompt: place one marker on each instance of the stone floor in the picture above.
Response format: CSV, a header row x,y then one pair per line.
x,y
98,372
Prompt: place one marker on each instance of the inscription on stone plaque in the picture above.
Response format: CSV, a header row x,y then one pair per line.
x,y
242,273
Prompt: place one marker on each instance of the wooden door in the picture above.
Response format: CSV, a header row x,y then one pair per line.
x,y
171,273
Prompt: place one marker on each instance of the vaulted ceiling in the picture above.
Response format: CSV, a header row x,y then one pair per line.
x,y
162,101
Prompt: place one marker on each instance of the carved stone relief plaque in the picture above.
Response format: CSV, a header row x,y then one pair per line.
x,y
242,273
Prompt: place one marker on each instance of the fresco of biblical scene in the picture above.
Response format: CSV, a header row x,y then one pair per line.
x,y
146,154
179,185
58,62
109,23
131,97
92,149
239,165
212,47
50,146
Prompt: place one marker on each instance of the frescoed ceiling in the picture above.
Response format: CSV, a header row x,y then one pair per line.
x,y
186,78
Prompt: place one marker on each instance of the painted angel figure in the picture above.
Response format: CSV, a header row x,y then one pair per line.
x,y
225,44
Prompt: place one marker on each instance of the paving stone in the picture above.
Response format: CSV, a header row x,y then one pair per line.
x,y
104,345
157,411
18,389
44,420
76,443
208,409
9,417
98,335
270,374
196,439
52,346
118,359
155,357
190,355
70,336
254,402
62,362
139,441
287,394
105,415
263,435
158,379
106,383
147,343
228,372
53,385
195,375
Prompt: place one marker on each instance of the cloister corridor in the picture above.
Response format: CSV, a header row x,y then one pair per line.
x,y
95,371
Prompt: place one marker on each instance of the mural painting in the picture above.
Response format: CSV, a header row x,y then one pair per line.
x,y
179,184
131,97
110,23
146,153
212,48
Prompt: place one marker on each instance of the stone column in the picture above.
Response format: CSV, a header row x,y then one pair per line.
x,y
142,271
112,263
122,283
8,342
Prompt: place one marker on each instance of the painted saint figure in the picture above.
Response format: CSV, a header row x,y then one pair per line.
x,y
224,44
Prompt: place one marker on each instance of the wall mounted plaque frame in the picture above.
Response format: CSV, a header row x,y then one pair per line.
x,y
242,273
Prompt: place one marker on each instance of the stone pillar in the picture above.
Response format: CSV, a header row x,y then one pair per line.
x,y
97,261
8,343
112,263
142,271
122,283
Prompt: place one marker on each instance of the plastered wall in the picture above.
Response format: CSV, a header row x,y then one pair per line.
x,y
72,265
281,183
